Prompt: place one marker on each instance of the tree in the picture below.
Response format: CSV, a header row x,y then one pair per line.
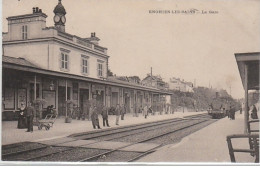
x,y
109,73
136,79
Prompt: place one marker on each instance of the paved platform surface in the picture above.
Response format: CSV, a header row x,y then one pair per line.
x,y
206,145
10,133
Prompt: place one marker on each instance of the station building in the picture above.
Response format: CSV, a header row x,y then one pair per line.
x,y
41,62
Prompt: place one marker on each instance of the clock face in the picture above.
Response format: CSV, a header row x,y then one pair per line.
x,y
63,19
56,18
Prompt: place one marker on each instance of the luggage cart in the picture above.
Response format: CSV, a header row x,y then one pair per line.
x,y
47,122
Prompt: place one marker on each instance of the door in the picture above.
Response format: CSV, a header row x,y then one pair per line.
x,y
114,99
84,101
127,103
62,101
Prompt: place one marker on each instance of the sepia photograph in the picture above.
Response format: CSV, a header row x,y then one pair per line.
x,y
130,82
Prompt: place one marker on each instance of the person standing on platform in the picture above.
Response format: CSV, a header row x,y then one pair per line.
x,y
145,111
135,110
30,112
94,118
123,111
254,113
22,121
228,113
232,112
104,114
117,111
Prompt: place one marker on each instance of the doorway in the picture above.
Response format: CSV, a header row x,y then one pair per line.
x,y
114,99
62,99
127,103
84,101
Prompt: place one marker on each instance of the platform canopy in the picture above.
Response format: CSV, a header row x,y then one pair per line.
x,y
251,60
248,66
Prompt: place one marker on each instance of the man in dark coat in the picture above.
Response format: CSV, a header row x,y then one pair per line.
x,y
123,111
232,112
117,111
104,114
254,113
94,118
22,120
30,112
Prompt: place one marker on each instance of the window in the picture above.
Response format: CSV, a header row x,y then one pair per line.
x,y
24,32
84,65
64,61
100,69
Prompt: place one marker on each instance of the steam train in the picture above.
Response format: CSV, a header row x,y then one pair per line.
x,y
217,108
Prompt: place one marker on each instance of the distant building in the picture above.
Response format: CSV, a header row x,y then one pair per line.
x,y
155,81
131,79
180,85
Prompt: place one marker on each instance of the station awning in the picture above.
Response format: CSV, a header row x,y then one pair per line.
x,y
248,66
251,60
22,64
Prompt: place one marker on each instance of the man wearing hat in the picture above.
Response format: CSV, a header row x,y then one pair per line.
x,y
30,112
94,118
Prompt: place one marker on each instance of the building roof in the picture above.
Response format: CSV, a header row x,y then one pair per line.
x,y
59,9
18,61
113,79
26,16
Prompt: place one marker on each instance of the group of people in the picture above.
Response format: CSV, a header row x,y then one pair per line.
x,y
119,111
25,117
231,112
145,110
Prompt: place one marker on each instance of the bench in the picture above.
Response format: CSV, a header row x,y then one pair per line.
x,y
253,139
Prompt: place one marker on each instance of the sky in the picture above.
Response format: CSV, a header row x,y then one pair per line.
x,y
194,47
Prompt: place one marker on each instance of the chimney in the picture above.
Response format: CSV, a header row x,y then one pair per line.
x,y
37,10
33,9
40,10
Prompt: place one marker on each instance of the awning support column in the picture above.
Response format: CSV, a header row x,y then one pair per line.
x,y
35,87
66,99
246,101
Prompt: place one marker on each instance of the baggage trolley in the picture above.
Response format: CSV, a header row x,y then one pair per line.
x,y
47,122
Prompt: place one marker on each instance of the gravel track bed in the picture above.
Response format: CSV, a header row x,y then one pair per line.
x,y
9,146
98,134
179,135
153,133
199,116
75,154
35,153
133,132
117,156
23,146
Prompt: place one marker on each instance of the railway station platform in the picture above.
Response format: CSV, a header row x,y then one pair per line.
x,y
10,134
207,145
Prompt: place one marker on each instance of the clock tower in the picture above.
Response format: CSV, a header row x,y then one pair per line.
x,y
59,18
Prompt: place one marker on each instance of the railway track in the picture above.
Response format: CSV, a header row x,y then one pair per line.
x,y
42,152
